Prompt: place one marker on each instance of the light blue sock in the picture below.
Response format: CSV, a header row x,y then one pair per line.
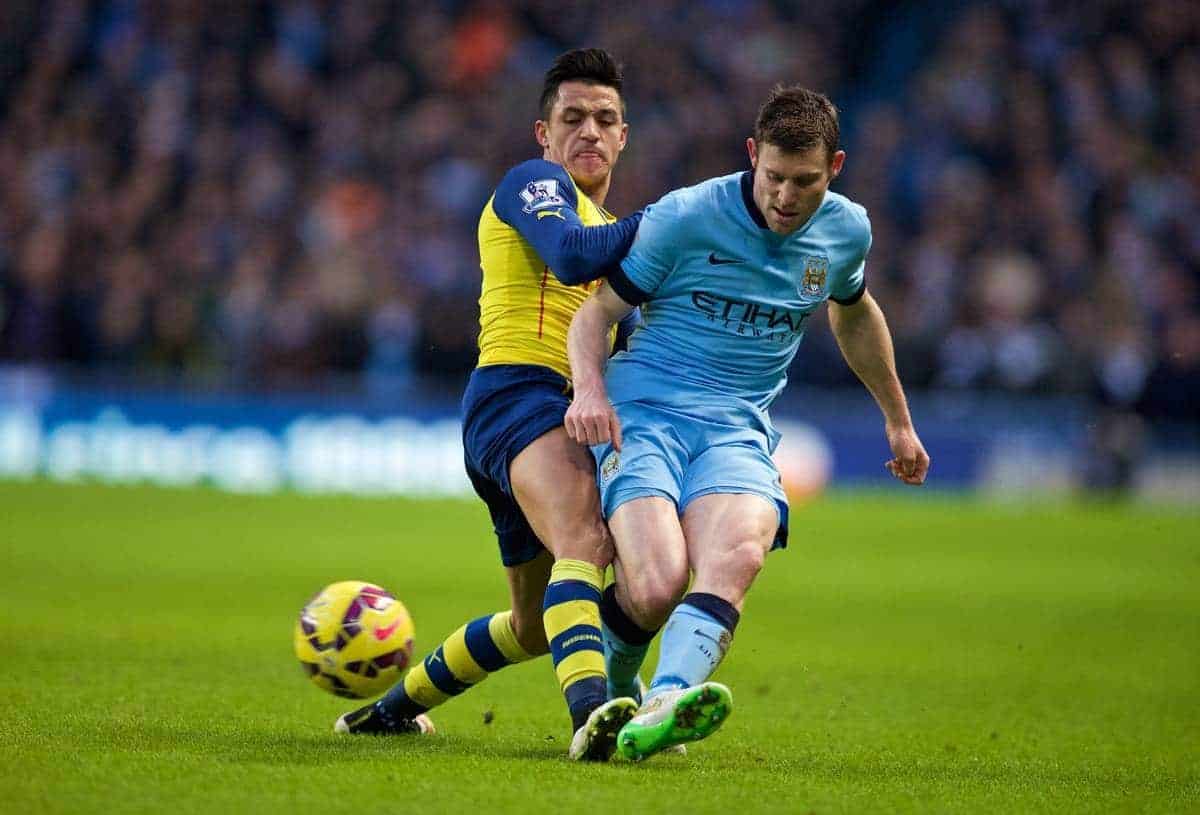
x,y
623,660
693,643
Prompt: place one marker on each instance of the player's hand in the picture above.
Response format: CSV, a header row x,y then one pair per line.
x,y
591,420
911,462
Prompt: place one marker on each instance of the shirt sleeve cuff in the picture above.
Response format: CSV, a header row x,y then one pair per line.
x,y
625,288
854,298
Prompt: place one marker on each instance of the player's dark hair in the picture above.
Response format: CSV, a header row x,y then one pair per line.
x,y
796,119
595,66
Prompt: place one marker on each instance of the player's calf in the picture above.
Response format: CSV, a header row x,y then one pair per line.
x,y
571,614
467,657
625,646
530,633
694,641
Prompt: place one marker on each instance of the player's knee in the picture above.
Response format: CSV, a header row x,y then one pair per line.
x,y
588,539
654,593
749,557
744,560
651,609
530,632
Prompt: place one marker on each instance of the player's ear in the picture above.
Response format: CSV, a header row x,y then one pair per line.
x,y
541,133
752,149
624,137
835,164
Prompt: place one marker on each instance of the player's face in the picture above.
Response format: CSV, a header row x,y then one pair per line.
x,y
585,132
788,187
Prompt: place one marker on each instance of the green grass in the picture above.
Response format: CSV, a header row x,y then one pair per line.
x,y
933,655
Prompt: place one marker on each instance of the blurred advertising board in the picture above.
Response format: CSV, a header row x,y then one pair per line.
x,y
412,447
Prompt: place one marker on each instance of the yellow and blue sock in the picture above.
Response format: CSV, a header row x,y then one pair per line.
x,y
625,646
694,641
465,659
571,614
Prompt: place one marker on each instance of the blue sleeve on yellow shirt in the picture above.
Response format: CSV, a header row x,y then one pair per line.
x,y
537,199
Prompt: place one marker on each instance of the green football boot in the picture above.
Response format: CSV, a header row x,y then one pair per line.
x,y
675,717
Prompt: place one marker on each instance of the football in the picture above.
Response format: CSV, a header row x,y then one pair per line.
x,y
354,639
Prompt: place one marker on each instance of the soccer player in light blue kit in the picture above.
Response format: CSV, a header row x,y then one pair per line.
x,y
727,273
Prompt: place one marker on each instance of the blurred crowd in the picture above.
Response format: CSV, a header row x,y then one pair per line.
x,y
265,194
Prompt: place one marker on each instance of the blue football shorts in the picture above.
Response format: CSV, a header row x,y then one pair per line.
x,y
679,457
505,408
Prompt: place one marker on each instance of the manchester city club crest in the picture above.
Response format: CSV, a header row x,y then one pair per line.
x,y
816,269
610,465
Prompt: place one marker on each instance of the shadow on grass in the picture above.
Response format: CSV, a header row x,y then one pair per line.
x,y
227,743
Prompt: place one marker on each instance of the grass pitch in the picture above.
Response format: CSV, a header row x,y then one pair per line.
x,y
905,654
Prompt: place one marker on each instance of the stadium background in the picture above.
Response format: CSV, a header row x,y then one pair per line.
x,y
269,208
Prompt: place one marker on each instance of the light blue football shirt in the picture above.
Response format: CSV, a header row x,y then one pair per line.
x,y
725,301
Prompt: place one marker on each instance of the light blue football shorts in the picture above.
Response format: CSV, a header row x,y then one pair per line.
x,y
680,458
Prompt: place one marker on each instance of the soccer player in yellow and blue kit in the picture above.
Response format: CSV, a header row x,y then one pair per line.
x,y
545,240
728,274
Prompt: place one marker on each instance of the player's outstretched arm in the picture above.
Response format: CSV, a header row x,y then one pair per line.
x,y
591,419
862,334
538,200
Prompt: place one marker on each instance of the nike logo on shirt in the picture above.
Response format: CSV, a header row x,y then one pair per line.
x,y
716,261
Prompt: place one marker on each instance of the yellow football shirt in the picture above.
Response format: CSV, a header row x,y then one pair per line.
x,y
524,310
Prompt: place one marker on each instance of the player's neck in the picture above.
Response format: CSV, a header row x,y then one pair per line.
x,y
597,193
